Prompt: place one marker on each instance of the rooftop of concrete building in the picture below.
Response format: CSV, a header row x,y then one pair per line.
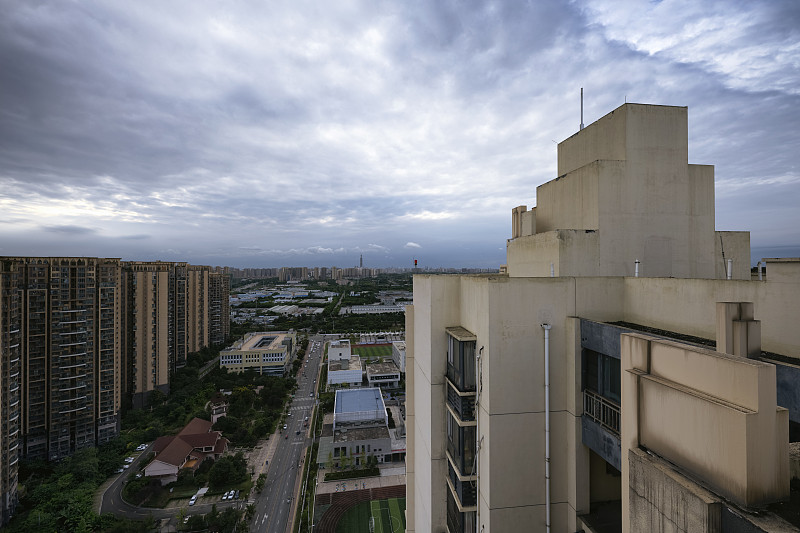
x,y
353,363
382,368
358,400
354,434
264,341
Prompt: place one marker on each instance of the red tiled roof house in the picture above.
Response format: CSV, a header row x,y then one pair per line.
x,y
195,443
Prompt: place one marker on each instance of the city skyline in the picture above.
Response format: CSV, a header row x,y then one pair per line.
x,y
296,134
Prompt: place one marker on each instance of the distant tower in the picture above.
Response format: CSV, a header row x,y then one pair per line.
x,y
361,261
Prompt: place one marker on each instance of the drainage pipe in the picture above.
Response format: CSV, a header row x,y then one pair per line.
x,y
636,268
730,268
546,328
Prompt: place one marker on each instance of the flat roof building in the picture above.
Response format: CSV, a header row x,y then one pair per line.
x,y
357,429
383,375
262,352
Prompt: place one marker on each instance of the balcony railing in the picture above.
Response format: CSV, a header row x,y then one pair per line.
x,y
463,405
601,410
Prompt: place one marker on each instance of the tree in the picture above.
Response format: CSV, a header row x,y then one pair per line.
x,y
228,470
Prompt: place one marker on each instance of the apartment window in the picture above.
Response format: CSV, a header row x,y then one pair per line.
x,y
601,374
461,445
461,358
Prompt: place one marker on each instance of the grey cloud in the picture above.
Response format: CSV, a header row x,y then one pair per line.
x,y
69,230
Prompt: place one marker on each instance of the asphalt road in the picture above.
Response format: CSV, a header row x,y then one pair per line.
x,y
112,501
274,503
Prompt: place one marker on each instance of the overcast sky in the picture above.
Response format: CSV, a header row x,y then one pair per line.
x,y
289,133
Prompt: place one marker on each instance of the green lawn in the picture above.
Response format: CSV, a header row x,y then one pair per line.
x,y
389,517
367,350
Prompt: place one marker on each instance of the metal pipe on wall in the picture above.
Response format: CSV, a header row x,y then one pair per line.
x,y
546,328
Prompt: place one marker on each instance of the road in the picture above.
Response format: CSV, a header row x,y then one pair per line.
x,y
111,501
274,503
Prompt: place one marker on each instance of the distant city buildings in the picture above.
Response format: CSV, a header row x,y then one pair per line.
x,y
287,274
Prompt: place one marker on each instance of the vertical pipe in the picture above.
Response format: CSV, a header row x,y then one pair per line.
x,y
479,387
581,107
636,268
730,268
760,278
552,270
546,328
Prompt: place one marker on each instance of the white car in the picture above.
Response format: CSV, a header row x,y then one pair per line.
x,y
285,426
193,499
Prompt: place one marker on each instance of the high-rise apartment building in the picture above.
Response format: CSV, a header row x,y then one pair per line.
x,y
623,374
78,334
171,310
70,358
150,345
197,307
10,386
219,307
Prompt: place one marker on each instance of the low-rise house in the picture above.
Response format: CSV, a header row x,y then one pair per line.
x,y
188,449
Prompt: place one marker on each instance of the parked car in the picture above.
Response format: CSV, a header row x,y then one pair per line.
x,y
236,495
193,499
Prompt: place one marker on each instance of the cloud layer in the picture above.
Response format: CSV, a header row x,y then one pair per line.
x,y
255,134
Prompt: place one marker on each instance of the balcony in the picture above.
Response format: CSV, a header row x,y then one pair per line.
x,y
464,488
601,410
462,404
460,446
461,359
459,521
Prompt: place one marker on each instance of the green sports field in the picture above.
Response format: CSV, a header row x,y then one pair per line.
x,y
367,351
387,516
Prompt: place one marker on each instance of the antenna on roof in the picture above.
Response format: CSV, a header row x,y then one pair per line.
x,y
581,107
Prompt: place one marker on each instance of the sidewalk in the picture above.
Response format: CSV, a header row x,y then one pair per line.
x,y
264,451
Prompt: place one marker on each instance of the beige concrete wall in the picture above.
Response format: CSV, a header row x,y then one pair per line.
x,y
601,140
436,305
531,255
410,422
689,306
626,176
714,415
569,202
662,500
786,270
737,247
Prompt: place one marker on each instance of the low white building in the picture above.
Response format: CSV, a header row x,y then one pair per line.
x,y
338,350
358,429
345,372
383,375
